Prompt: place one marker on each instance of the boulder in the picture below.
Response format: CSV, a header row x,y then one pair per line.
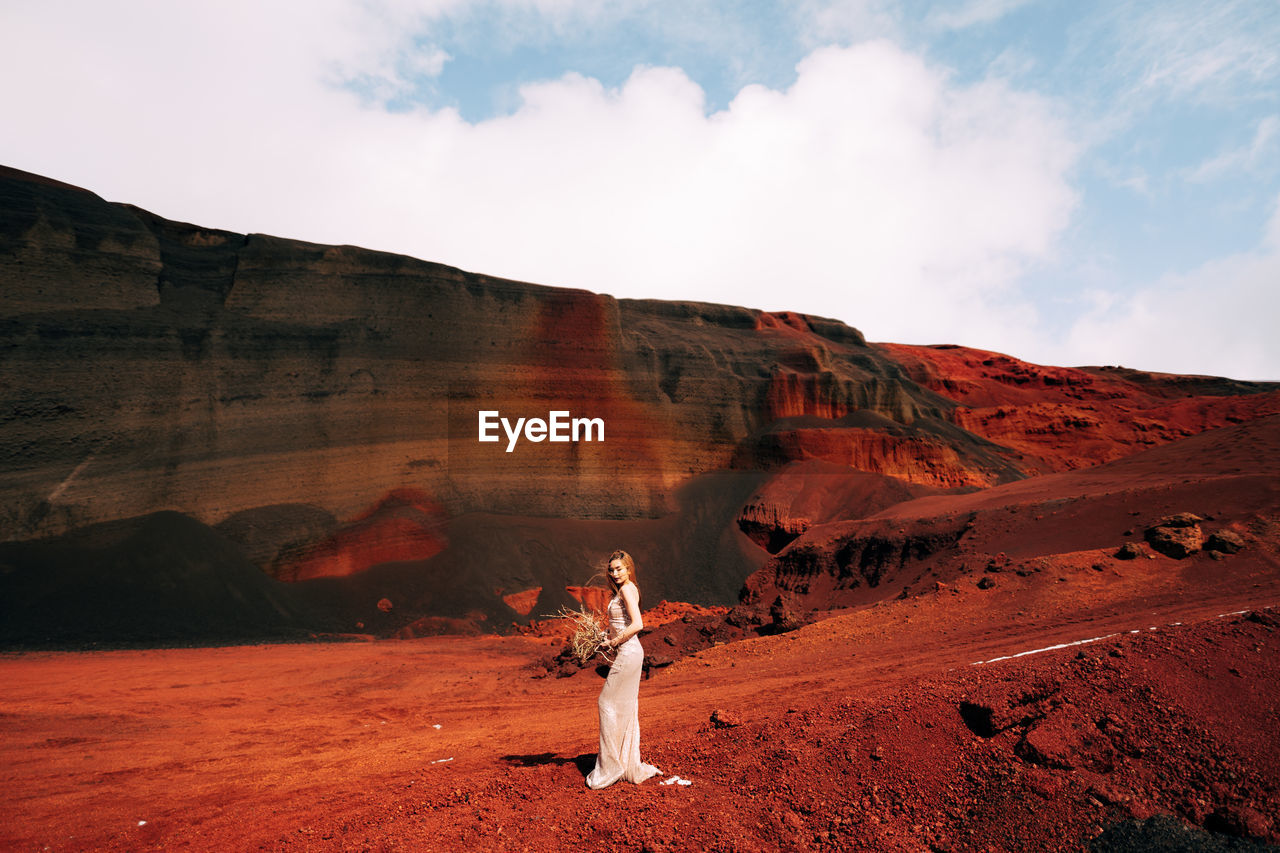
x,y
1179,519
1176,536
1224,541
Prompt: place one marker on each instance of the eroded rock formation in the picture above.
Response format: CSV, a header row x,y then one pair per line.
x,y
315,409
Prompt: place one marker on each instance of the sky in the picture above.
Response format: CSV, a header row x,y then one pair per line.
x,y
1072,182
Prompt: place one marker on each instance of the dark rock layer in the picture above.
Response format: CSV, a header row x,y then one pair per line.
x,y
318,406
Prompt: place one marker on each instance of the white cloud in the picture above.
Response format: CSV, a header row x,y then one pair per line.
x,y
1205,52
1260,152
825,22
1218,319
972,13
875,189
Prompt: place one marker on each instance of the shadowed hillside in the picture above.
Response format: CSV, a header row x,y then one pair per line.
x,y
311,412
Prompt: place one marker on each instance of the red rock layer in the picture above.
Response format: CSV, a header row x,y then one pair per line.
x,y
1059,418
523,602
918,459
803,494
405,525
594,598
1052,523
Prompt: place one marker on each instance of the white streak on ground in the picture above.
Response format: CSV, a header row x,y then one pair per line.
x,y
1045,649
1091,640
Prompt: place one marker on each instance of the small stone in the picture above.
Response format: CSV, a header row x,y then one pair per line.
x,y
999,562
987,582
724,720
1224,541
1128,551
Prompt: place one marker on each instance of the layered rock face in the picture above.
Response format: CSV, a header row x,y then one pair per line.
x,y
1061,418
1051,525
151,363
318,407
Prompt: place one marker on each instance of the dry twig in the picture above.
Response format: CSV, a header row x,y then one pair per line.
x,y
589,635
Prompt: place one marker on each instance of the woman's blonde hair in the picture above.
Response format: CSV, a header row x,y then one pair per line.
x,y
628,562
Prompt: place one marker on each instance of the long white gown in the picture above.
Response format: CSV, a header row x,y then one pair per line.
x,y
619,704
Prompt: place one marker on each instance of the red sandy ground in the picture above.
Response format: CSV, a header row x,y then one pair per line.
x,y
849,732
869,730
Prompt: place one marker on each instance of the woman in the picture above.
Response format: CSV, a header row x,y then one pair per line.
x,y
619,756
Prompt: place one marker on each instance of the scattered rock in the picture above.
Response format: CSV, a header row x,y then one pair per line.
x,y
1128,551
724,720
999,562
783,616
743,616
1067,740
1176,536
1179,519
987,582
1225,541
384,604
1049,745
1264,617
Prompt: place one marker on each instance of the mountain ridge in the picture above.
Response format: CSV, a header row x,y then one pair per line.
x,y
158,366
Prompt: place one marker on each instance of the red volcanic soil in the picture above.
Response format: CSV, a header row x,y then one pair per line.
x,y
875,729
1146,718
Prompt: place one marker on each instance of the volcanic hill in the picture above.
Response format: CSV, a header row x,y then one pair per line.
x,y
211,435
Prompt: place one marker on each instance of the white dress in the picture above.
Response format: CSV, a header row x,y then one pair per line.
x,y
619,755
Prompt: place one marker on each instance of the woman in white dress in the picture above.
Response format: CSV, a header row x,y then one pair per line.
x,y
619,756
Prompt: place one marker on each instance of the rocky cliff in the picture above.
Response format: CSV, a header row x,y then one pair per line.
x,y
317,409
